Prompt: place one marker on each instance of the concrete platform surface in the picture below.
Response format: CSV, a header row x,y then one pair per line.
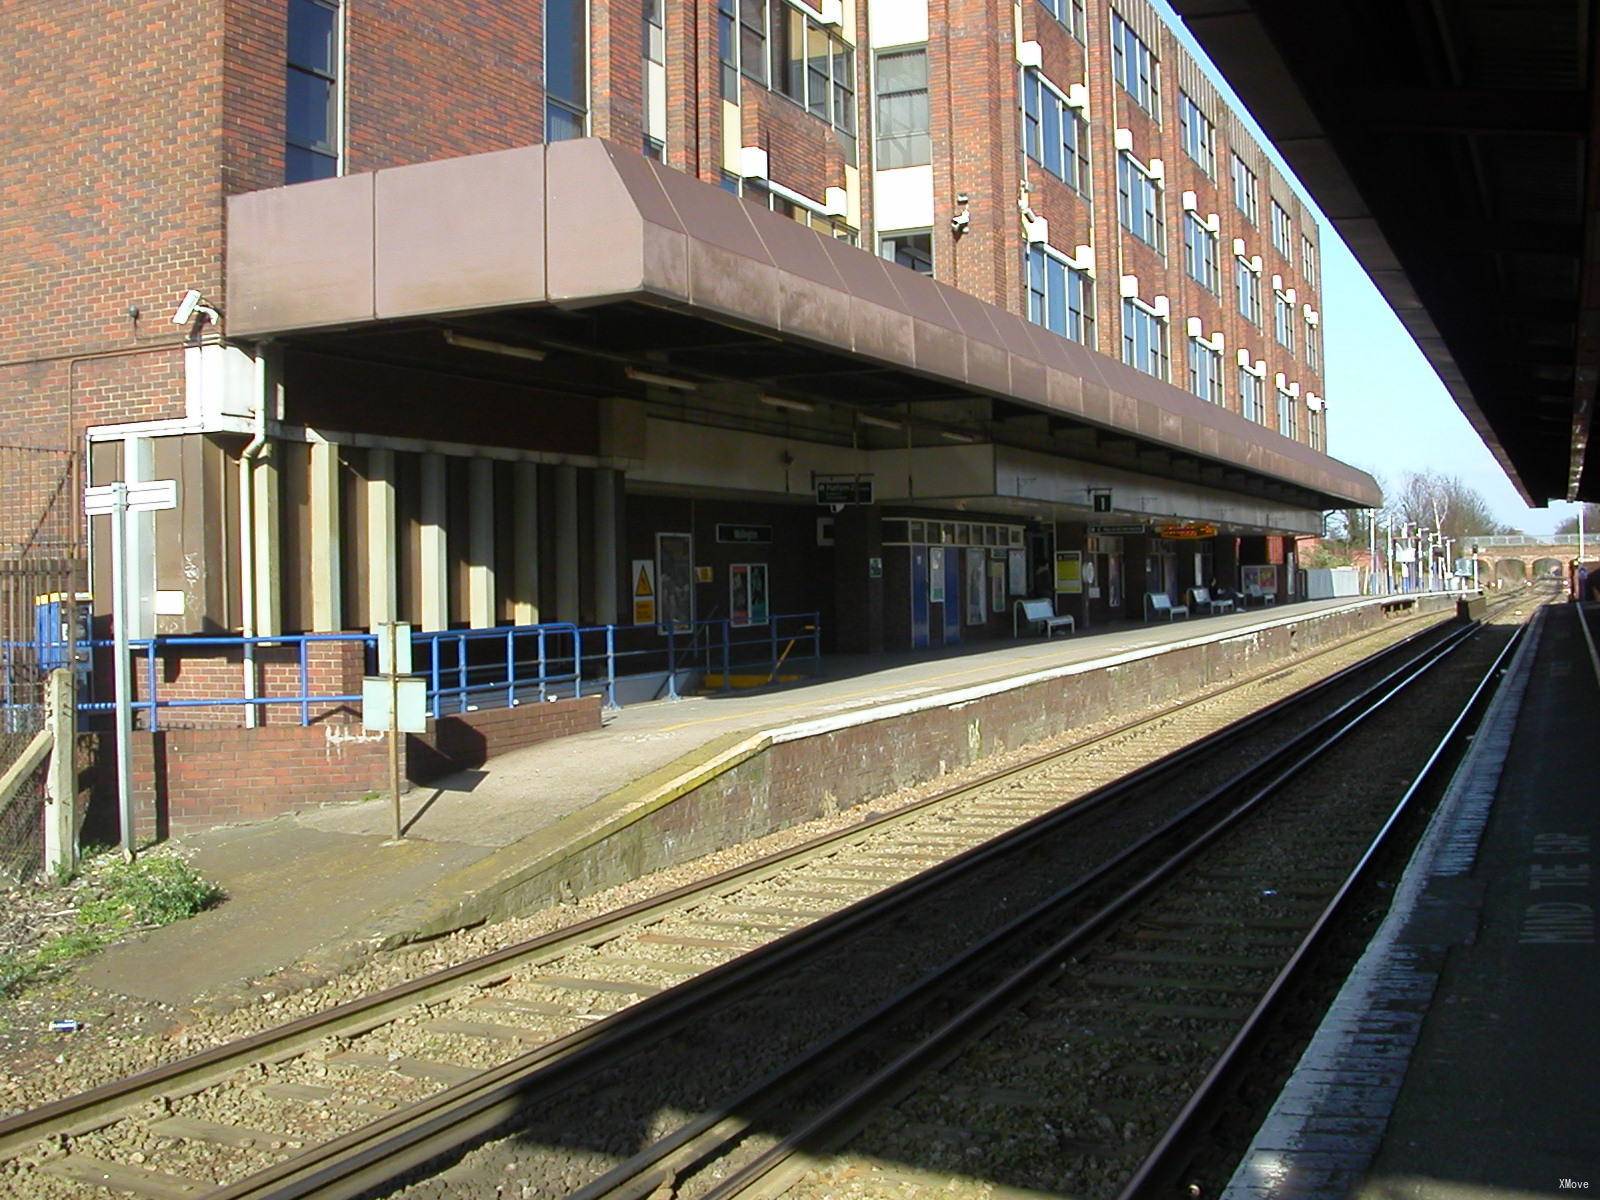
x,y
1458,1062
327,884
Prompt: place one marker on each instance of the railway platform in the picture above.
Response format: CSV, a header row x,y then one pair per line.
x,y
667,781
1456,1061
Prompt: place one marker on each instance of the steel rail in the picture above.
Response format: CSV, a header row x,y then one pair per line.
x,y
959,1030
390,1146
82,1110
692,1145
1163,1162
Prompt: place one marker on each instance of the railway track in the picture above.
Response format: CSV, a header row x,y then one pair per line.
x,y
287,1112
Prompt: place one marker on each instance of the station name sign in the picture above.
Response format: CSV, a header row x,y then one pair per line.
x,y
843,489
744,535
1118,530
1187,530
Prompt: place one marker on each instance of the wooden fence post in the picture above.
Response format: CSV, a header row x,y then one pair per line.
x,y
61,779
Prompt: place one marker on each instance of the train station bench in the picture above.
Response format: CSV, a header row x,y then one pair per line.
x,y
1256,594
1160,602
1042,612
1201,598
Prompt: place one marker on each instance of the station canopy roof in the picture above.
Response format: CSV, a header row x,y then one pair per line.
x,y
1452,143
605,264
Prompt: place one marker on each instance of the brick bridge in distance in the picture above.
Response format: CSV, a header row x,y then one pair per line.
x,y
1511,558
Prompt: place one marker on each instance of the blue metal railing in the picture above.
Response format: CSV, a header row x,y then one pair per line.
x,y
469,668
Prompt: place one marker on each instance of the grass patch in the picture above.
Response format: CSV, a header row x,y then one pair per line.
x,y
119,898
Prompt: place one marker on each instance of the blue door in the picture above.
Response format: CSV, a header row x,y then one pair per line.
x,y
919,597
952,595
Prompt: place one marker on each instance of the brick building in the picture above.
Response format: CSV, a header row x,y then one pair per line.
x,y
506,335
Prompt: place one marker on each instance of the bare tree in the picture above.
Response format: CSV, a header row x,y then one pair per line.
x,y
1591,520
1442,502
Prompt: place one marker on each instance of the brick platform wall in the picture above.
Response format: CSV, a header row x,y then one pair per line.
x,y
471,739
190,779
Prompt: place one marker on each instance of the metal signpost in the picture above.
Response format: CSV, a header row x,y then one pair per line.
x,y
394,701
116,500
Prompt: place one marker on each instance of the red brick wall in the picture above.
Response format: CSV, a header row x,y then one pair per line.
x,y
471,739
190,779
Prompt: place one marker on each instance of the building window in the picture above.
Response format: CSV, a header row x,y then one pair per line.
x,y
1286,414
1053,134
1069,13
1200,252
1312,353
1144,339
902,108
655,55
1205,371
1308,260
1244,190
811,217
911,248
728,48
566,70
1247,285
1060,297
1314,428
814,68
1139,202
1197,134
311,92
753,39
1252,405
1283,320
1282,233
1133,66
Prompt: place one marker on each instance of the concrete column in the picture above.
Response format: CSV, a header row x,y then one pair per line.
x,y
383,600
605,546
269,558
566,544
138,466
327,607
525,535
433,559
481,564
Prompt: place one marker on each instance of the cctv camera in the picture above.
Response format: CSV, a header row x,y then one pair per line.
x,y
186,307
960,221
192,305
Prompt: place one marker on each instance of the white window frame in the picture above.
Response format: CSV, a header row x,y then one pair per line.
x,y
1159,311
1252,210
1212,347
1072,267
1282,231
1150,102
1251,265
1252,397
1155,176
1068,111
1208,164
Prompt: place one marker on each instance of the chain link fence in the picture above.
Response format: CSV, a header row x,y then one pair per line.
x,y
41,570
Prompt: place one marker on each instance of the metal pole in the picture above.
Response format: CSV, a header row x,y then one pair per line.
x,y
1581,506
394,724
1372,553
120,664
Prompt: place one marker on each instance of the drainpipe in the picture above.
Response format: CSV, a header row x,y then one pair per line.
x,y
247,534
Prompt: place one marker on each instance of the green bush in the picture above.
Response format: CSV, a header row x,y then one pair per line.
x,y
150,891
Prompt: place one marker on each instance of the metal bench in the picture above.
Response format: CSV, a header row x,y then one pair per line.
x,y
1042,612
1256,594
1201,598
1160,602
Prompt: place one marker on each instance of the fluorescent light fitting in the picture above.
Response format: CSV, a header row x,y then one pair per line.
x,y
785,402
462,342
950,436
877,422
666,381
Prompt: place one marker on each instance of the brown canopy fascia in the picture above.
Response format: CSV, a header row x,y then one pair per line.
x,y
585,223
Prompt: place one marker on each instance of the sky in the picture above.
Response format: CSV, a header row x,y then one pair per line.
x,y
1387,411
